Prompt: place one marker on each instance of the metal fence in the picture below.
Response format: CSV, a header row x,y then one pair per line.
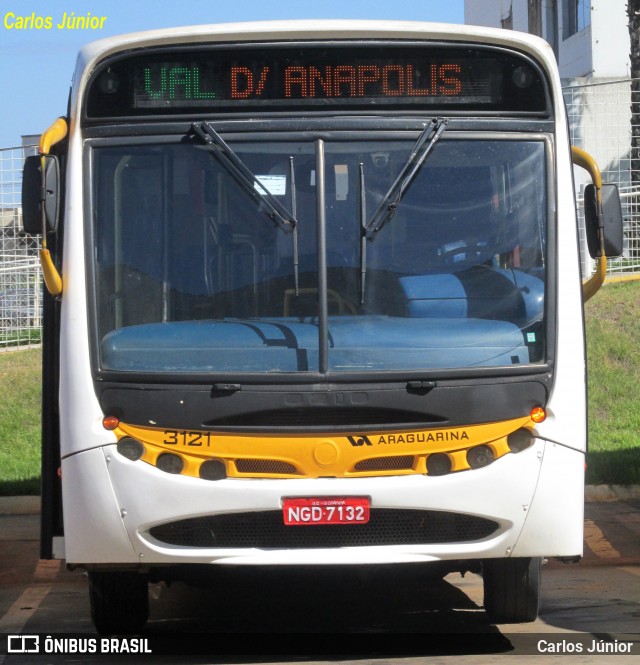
x,y
20,281
600,122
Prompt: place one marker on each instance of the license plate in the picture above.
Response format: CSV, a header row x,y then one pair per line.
x,y
334,510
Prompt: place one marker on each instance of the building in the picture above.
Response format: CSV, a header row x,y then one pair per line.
x,y
591,41
589,37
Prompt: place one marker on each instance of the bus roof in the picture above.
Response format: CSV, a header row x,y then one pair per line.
x,y
309,30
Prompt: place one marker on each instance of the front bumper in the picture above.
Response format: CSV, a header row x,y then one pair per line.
x,y
534,498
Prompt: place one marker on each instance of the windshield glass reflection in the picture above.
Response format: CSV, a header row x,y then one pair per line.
x,y
192,276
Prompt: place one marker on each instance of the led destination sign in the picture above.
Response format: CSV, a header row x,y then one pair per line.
x,y
315,76
167,84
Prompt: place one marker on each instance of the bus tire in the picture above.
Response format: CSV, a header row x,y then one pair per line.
x,y
119,602
512,589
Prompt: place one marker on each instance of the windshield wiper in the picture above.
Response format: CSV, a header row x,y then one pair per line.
x,y
424,145
243,175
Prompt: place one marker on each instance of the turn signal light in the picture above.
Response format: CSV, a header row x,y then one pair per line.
x,y
538,414
110,422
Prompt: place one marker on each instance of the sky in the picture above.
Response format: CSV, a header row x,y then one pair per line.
x,y
36,64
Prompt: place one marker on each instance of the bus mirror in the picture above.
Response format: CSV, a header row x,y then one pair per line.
x,y
40,193
611,221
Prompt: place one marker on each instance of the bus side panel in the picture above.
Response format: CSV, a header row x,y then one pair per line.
x,y
50,490
94,532
555,517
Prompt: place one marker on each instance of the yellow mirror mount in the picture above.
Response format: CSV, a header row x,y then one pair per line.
x,y
52,279
586,161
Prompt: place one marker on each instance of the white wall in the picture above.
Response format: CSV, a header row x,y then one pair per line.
x,y
610,38
575,53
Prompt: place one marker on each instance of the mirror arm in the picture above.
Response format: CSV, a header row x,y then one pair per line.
x,y
52,279
50,274
586,161
52,135
593,284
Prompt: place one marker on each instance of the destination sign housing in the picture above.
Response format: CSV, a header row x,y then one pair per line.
x,y
360,75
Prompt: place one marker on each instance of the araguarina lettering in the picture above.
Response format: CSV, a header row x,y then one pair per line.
x,y
424,437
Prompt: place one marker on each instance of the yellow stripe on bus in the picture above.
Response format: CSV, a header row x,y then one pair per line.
x,y
341,455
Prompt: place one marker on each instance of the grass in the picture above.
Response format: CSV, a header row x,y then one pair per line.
x,y
613,354
20,422
613,350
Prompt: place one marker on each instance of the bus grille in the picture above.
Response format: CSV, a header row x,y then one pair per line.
x,y
267,530
266,466
398,463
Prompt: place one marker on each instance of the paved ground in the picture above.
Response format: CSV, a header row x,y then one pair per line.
x,y
597,599
612,533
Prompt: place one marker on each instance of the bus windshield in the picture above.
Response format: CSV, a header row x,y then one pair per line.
x,y
190,276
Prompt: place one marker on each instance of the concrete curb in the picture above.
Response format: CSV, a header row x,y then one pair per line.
x,y
30,505
605,493
19,505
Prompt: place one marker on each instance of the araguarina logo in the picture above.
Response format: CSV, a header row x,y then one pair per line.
x,y
359,440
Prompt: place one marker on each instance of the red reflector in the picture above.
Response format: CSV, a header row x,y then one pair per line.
x,y
318,511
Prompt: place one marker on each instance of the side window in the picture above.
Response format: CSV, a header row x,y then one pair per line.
x,y
576,16
129,236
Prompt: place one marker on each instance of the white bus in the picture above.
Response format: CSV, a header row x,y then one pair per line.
x,y
315,299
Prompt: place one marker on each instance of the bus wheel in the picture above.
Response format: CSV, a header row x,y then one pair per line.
x,y
119,602
512,589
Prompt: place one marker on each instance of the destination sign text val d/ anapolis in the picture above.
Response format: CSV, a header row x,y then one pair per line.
x,y
171,81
